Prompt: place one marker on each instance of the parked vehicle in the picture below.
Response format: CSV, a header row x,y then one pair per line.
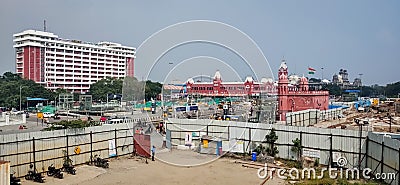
x,y
104,118
34,175
99,162
52,171
14,180
48,115
67,164
56,116
69,169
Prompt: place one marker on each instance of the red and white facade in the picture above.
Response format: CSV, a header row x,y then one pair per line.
x,y
218,88
292,98
69,64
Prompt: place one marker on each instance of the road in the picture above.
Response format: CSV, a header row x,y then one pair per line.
x,y
34,124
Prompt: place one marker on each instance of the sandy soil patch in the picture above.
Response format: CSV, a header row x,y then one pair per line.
x,y
128,170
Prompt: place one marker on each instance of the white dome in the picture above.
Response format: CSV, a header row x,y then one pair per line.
x,y
263,80
190,80
294,79
249,79
283,65
217,75
267,80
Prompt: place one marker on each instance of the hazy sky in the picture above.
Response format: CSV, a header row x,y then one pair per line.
x,y
361,36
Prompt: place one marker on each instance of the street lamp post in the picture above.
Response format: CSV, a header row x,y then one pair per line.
x,y
390,122
20,97
360,124
101,108
68,110
360,84
107,103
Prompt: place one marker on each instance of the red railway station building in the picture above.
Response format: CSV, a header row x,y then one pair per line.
x,y
297,97
218,88
292,97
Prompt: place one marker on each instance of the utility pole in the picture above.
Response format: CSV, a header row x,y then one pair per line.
x,y
390,124
101,108
360,84
20,97
107,102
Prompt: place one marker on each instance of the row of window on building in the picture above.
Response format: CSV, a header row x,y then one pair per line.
x,y
232,88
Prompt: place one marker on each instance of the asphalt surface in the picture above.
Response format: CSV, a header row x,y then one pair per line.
x,y
34,124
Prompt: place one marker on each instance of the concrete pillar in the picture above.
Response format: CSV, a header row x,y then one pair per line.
x,y
4,172
23,118
7,119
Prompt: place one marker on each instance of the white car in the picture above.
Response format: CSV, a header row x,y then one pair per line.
x,y
48,115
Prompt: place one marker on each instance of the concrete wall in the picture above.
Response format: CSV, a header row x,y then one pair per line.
x,y
48,146
379,152
383,155
311,116
4,173
346,142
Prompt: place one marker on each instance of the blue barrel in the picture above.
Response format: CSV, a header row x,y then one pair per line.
x,y
219,148
254,156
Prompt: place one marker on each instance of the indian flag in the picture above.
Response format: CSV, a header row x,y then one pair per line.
x,y
311,70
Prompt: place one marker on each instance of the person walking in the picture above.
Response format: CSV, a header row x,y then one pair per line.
x,y
153,151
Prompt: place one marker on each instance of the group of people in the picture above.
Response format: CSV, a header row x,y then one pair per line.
x,y
141,131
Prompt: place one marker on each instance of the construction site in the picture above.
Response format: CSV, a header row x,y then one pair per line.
x,y
375,116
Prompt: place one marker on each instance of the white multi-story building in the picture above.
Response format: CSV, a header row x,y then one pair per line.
x,y
69,64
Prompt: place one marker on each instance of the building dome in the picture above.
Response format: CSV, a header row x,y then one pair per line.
x,y
217,75
267,80
249,79
304,80
294,79
283,65
190,80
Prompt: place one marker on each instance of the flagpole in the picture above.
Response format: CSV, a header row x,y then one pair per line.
x,y
322,73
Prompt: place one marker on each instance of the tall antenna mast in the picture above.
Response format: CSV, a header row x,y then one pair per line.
x,y
44,25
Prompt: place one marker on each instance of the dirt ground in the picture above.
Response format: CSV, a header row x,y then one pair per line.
x,y
133,170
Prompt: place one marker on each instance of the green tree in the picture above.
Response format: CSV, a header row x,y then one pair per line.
x,y
271,138
10,85
296,148
103,87
333,89
392,90
152,89
129,87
